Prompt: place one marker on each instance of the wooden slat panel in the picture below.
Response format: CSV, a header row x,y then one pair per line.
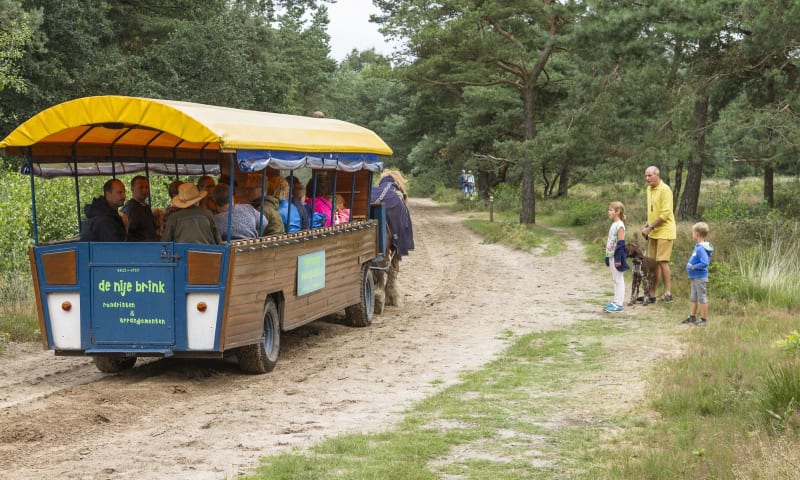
x,y
203,267
60,268
262,271
37,289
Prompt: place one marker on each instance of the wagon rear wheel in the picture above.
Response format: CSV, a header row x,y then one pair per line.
x,y
360,314
262,357
114,364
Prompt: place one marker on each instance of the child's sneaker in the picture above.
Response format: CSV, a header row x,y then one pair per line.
x,y
666,298
690,319
700,323
614,308
608,306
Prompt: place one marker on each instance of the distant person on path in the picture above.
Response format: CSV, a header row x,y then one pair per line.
x,y
659,231
462,182
141,221
103,222
615,255
697,269
470,183
190,223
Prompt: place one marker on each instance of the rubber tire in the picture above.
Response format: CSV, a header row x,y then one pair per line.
x,y
262,357
360,314
114,364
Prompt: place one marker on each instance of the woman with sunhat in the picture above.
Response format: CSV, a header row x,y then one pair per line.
x,y
190,223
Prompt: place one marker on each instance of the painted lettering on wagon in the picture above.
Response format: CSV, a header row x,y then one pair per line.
x,y
124,287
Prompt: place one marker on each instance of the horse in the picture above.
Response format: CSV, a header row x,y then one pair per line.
x,y
392,192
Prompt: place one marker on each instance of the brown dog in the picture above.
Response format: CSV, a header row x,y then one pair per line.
x,y
644,273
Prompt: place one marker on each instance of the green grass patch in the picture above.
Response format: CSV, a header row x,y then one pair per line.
x,y
727,406
18,318
511,233
502,414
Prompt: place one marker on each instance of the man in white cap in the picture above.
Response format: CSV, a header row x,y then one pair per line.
x,y
190,223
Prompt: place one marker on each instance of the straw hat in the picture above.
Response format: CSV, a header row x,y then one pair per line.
x,y
188,195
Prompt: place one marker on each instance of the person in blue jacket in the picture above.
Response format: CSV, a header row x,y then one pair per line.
x,y
697,269
616,256
279,187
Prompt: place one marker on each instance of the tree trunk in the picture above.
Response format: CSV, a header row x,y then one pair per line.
x,y
563,181
677,184
691,193
769,185
527,211
769,167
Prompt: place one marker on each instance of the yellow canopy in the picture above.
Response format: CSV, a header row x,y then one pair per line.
x,y
118,129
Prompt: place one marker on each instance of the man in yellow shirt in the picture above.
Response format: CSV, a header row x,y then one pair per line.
x,y
659,230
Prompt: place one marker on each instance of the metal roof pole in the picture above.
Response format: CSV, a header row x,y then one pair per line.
x,y
352,196
333,194
77,184
230,201
29,155
147,167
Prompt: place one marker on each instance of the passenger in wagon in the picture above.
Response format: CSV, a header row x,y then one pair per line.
x,y
207,183
190,223
269,208
245,220
172,191
342,214
141,221
279,188
103,222
319,200
299,201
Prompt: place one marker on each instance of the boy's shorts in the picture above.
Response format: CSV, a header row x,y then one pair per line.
x,y
699,291
660,249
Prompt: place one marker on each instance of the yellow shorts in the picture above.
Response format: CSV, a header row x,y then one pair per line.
x,y
660,249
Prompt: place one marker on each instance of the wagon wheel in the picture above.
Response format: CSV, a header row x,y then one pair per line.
x,y
262,357
114,364
360,314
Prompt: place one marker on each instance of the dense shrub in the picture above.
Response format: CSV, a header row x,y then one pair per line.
x,y
730,206
779,398
507,198
787,198
583,211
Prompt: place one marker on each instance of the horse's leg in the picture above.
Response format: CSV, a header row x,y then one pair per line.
x,y
393,296
380,277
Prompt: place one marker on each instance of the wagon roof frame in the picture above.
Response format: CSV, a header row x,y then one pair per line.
x,y
111,135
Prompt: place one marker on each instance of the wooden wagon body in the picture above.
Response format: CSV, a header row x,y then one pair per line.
x,y
117,301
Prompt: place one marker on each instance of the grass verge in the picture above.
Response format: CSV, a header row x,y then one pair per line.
x,y
508,231
525,415
591,402
18,319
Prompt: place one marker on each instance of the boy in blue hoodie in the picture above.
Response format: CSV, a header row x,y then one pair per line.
x,y
697,268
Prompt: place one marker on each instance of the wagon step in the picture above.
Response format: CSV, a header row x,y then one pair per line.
x,y
132,352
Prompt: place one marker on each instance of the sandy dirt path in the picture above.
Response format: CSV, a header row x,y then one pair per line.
x,y
196,419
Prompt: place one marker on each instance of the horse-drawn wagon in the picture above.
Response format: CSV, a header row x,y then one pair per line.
x,y
117,301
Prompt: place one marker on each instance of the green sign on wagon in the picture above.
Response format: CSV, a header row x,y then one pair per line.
x,y
310,272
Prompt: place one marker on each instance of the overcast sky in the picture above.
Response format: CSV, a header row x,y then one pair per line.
x,y
350,28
